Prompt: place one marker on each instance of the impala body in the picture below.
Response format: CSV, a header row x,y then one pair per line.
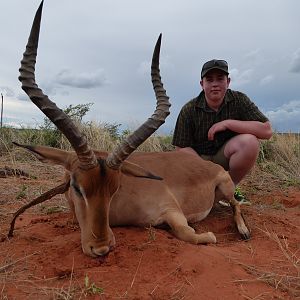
x,y
104,197
186,193
107,189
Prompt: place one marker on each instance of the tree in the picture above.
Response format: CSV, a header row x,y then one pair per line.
x,y
52,135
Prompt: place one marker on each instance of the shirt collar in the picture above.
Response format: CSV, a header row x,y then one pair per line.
x,y
201,103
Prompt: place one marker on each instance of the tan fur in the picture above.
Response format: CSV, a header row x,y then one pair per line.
x,y
187,193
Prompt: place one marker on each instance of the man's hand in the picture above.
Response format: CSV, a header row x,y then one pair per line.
x,y
220,126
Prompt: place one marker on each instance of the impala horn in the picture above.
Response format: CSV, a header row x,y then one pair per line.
x,y
63,122
126,147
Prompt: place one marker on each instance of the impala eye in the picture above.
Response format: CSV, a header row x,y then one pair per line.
x,y
77,189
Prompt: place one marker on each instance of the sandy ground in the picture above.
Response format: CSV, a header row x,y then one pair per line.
x,y
44,259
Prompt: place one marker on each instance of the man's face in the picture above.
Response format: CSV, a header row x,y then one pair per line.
x,y
215,84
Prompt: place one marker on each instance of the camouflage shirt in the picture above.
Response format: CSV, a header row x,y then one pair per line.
x,y
196,118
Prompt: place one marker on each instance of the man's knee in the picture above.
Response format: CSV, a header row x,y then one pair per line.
x,y
242,151
250,145
245,143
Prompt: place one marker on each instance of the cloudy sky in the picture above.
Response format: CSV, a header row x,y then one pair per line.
x,y
99,51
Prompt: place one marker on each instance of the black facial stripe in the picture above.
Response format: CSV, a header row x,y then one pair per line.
x,y
77,190
102,167
75,186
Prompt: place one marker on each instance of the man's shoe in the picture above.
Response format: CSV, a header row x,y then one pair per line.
x,y
239,196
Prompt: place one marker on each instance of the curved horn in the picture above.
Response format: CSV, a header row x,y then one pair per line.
x,y
126,147
63,122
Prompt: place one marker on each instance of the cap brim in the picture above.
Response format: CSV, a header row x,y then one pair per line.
x,y
213,68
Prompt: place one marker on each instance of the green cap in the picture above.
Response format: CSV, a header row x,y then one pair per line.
x,y
214,64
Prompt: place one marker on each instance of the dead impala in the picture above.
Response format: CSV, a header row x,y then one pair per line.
x,y
107,189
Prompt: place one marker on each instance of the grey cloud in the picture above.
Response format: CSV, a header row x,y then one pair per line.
x,y
23,97
117,40
7,91
144,67
295,65
286,117
253,56
49,88
81,80
240,78
166,64
266,80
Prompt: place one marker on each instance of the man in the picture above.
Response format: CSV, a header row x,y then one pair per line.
x,y
220,124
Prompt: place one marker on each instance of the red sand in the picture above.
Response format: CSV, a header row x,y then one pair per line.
x,y
44,259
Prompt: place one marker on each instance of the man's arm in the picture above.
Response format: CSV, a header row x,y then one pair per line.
x,y
262,130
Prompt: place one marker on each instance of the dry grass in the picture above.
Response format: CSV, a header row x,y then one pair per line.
x,y
278,162
277,167
98,136
280,157
288,279
13,273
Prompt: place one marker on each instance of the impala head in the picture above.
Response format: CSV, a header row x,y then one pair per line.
x,y
94,179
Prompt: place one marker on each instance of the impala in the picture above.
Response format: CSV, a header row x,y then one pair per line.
x,y
126,188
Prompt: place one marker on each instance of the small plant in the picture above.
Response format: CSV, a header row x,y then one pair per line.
x,y
53,209
22,194
293,181
278,205
266,150
91,288
151,233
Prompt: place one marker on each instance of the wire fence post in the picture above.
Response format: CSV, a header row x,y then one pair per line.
x,y
1,109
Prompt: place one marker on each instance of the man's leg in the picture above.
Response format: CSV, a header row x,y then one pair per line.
x,y
242,151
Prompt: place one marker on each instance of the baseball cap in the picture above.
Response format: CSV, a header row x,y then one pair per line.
x,y
219,64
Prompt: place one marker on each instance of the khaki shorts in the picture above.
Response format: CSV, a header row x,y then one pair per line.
x,y
218,158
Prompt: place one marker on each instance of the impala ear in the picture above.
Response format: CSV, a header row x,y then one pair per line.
x,y
49,154
131,169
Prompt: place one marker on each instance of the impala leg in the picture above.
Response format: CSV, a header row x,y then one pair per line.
x,y
180,228
239,219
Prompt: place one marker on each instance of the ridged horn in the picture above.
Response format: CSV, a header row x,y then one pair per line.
x,y
63,122
126,147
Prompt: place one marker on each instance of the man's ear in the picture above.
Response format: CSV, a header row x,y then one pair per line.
x,y
131,169
201,82
228,80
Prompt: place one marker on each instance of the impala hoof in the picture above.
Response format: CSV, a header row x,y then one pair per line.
x,y
211,238
243,230
205,238
245,233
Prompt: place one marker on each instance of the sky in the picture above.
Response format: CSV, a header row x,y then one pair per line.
x,y
99,51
